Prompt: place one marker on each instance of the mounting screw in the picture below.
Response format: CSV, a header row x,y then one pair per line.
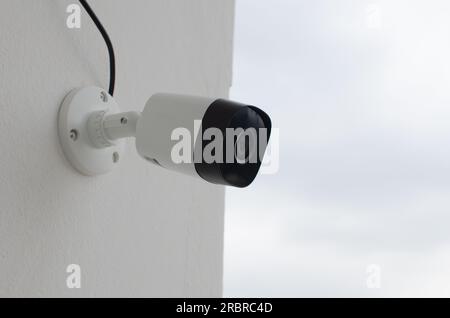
x,y
104,97
124,120
73,134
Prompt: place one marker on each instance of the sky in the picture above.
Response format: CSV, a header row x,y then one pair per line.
x,y
360,205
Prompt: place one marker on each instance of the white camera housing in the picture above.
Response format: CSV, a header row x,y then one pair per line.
x,y
92,131
162,114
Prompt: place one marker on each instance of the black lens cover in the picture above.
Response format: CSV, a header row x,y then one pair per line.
x,y
223,114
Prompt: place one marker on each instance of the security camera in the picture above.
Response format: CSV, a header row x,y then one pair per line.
x,y
218,140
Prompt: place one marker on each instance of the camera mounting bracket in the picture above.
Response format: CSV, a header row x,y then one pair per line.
x,y
80,117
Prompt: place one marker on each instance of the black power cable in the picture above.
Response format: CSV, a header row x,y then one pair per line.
x,y
112,59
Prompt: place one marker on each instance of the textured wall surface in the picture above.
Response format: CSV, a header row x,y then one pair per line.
x,y
141,230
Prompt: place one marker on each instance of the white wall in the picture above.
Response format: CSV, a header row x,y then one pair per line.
x,y
141,230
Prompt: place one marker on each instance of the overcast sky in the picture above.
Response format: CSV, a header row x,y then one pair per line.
x,y
360,90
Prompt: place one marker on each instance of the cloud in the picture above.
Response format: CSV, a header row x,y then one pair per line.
x,y
364,168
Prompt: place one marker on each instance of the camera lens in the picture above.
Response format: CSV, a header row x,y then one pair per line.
x,y
250,126
246,146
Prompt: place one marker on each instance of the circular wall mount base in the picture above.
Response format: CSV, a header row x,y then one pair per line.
x,y
73,116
